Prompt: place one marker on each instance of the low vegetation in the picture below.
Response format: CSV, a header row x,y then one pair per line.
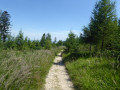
x,y
93,73
25,70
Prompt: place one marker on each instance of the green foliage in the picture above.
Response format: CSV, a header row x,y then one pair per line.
x,y
102,31
71,42
43,39
4,24
54,42
36,45
1,44
48,43
10,43
48,37
25,70
29,43
93,73
104,23
20,41
60,43
116,41
87,35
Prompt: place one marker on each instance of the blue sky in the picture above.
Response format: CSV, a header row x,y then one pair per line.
x,y
58,17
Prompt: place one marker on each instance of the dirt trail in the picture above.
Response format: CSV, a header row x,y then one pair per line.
x,y
58,78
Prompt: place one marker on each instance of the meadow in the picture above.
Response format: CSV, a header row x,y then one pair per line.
x,y
25,69
93,73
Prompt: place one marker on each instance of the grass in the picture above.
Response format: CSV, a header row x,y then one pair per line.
x,y
25,70
93,73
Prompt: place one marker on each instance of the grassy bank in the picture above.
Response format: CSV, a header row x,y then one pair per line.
x,y
93,73
25,70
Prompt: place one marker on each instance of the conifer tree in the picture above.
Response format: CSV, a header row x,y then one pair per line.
x,y
10,42
4,24
43,40
48,37
87,37
71,42
60,43
55,40
104,23
20,40
48,43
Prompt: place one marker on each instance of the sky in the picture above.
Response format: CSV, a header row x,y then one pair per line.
x,y
57,17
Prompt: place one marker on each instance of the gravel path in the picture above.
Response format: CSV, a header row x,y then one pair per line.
x,y
58,78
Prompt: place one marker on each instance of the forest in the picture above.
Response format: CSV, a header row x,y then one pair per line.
x,y
92,59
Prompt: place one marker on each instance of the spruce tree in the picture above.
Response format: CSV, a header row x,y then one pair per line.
x,y
10,42
104,23
20,40
60,43
87,37
48,43
55,40
4,24
48,37
43,40
71,43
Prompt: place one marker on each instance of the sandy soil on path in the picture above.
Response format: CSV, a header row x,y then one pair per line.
x,y
58,78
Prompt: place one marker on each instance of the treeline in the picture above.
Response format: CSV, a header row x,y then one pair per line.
x,y
101,36
20,42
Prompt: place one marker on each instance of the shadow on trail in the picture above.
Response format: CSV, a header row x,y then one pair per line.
x,y
60,63
59,55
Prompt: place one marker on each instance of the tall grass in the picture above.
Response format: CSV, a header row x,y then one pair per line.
x,y
93,73
25,70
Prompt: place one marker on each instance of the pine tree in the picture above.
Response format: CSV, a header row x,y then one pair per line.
x,y
60,43
25,43
87,37
43,40
48,37
104,23
116,43
0,25
20,40
48,43
54,42
4,24
10,42
1,44
71,43
29,43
